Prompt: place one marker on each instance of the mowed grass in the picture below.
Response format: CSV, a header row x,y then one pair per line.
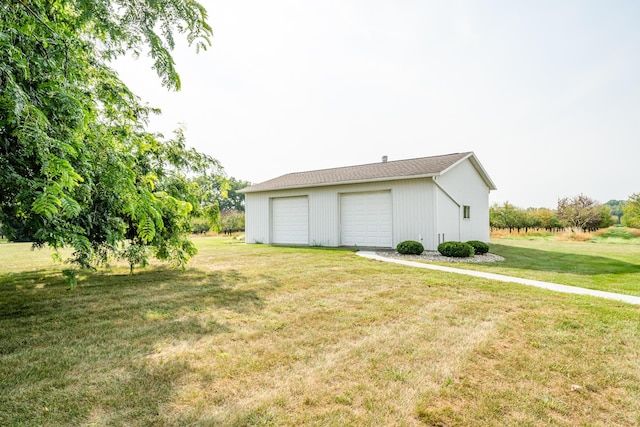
x,y
606,264
254,335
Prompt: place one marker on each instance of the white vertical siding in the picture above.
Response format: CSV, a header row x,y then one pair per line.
x,y
448,218
323,217
257,218
465,185
421,209
413,211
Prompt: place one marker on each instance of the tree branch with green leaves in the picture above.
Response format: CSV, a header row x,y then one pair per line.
x,y
78,167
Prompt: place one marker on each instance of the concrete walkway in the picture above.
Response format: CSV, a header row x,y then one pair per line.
x,y
544,285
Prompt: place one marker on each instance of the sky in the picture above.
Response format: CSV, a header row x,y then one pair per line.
x,y
545,93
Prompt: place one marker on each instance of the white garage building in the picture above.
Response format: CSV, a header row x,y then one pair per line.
x,y
429,199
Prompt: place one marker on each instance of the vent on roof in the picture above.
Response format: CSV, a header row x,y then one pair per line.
x,y
384,159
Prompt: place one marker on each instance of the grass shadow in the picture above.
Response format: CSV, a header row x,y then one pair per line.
x,y
561,262
93,344
156,303
43,292
30,279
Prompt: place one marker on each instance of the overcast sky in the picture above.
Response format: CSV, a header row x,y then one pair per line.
x,y
546,93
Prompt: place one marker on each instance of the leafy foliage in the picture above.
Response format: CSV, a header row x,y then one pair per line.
x,y
478,246
507,216
579,211
199,226
582,212
631,211
234,200
410,247
456,249
512,218
616,207
77,166
232,221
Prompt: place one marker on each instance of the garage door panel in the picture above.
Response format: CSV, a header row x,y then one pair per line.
x,y
366,219
290,220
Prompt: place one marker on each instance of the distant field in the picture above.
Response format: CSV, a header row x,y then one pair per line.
x,y
255,335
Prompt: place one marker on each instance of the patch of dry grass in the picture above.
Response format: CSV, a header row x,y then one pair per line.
x,y
260,335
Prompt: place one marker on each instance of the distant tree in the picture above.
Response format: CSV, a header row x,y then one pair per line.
x,y
616,209
199,226
232,221
547,219
526,219
631,210
580,212
494,217
234,200
533,219
506,216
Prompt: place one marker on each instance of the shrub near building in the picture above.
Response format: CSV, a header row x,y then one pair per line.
x,y
456,249
410,247
479,247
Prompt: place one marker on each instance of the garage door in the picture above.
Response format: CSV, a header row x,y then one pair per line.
x,y
290,220
365,219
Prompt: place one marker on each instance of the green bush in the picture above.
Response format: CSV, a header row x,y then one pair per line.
x,y
410,247
456,249
479,247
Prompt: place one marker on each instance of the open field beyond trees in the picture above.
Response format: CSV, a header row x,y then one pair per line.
x,y
269,336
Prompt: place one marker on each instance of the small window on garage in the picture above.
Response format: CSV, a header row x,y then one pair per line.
x,y
466,212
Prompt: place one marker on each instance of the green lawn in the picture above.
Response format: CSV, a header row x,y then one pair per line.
x,y
255,335
602,265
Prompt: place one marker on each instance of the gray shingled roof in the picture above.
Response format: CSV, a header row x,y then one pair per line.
x,y
382,171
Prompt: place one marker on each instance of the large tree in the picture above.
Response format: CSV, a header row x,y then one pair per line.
x,y
582,212
77,165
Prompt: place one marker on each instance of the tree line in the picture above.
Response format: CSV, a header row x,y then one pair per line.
x,y
577,213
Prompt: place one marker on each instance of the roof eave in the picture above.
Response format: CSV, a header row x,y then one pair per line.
x,y
330,184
